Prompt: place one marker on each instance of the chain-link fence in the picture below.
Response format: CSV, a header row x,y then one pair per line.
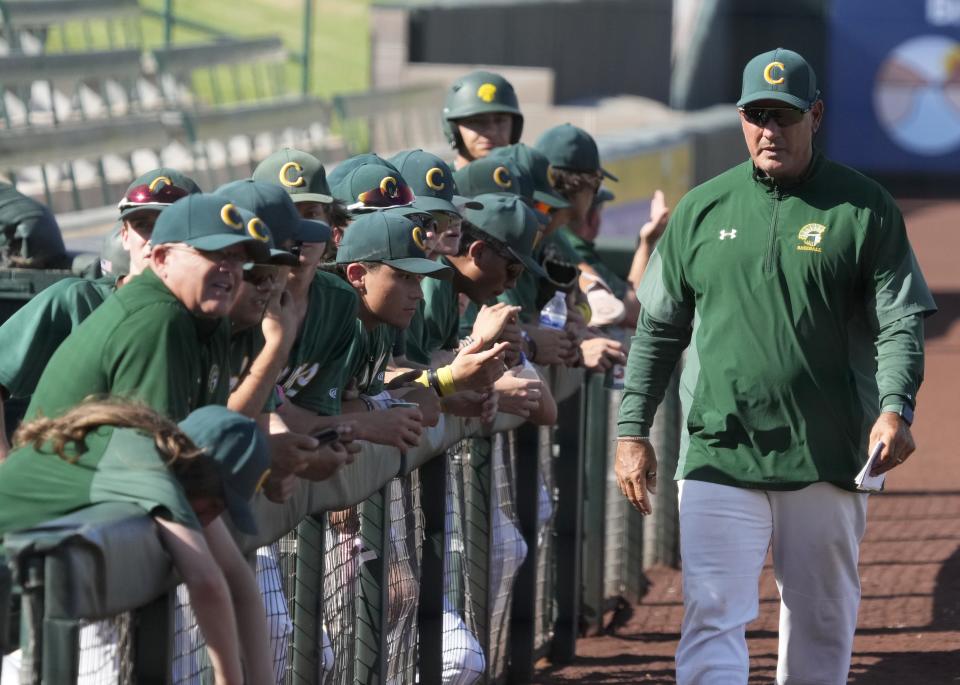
x,y
457,571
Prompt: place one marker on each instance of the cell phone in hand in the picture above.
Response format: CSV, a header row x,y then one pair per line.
x,y
325,437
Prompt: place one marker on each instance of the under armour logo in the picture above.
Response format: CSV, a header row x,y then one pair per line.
x,y
732,233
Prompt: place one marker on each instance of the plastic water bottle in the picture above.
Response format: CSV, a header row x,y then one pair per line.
x,y
554,312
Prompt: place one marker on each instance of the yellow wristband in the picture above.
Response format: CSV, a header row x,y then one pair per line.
x,y
445,376
423,379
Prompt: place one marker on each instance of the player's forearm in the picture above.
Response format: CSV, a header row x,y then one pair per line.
x,y
900,358
251,395
654,352
639,264
248,605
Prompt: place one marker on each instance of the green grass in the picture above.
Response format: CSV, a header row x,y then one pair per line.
x,y
340,47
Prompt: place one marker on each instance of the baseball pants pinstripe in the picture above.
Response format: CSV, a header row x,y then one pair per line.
x,y
814,535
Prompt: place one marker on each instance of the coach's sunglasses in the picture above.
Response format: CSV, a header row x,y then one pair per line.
x,y
783,116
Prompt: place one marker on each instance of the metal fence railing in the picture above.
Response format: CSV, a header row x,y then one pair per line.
x,y
458,562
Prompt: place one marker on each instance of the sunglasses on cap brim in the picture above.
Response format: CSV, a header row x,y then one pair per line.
x,y
783,116
385,196
152,194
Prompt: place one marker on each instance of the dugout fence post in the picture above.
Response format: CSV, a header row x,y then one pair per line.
x,y
568,526
523,613
594,514
306,611
661,534
153,641
433,482
372,650
478,533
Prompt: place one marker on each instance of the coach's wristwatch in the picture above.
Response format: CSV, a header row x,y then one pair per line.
x,y
901,409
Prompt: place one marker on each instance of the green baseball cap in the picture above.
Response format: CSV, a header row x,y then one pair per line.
x,y
210,222
371,186
508,220
431,180
572,148
241,453
781,75
534,164
492,175
114,259
298,172
391,239
276,207
154,190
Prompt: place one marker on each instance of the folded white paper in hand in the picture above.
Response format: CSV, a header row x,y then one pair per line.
x,y
864,480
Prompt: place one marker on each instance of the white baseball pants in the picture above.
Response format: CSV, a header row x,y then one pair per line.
x,y
725,533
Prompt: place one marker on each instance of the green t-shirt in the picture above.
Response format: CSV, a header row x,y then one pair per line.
x,y
369,354
120,465
31,336
314,375
588,254
765,281
436,324
142,344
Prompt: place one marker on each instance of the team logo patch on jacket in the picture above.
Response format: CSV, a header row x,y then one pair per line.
x,y
810,237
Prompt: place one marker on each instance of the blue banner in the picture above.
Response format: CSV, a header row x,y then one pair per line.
x,y
892,91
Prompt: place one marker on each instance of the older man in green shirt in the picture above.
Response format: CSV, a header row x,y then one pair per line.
x,y
791,282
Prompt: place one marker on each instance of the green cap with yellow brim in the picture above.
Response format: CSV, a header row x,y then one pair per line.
x,y
390,239
299,173
209,222
242,455
512,223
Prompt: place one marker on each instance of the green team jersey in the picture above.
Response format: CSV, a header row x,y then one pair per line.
x,y
119,465
436,324
776,288
31,336
369,353
587,251
559,259
314,375
142,344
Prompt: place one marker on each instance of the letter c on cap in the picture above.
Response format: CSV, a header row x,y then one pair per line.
x,y
155,182
285,176
231,217
432,181
258,230
389,186
768,73
501,176
418,238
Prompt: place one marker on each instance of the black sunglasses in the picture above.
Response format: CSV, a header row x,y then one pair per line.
x,y
783,116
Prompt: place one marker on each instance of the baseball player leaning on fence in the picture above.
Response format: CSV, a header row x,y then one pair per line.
x,y
793,282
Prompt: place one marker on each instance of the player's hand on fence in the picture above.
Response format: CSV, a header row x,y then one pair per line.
x,y
491,320
471,404
518,395
399,427
279,486
475,368
428,401
512,334
636,470
651,231
897,441
600,354
326,461
553,346
291,452
348,438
